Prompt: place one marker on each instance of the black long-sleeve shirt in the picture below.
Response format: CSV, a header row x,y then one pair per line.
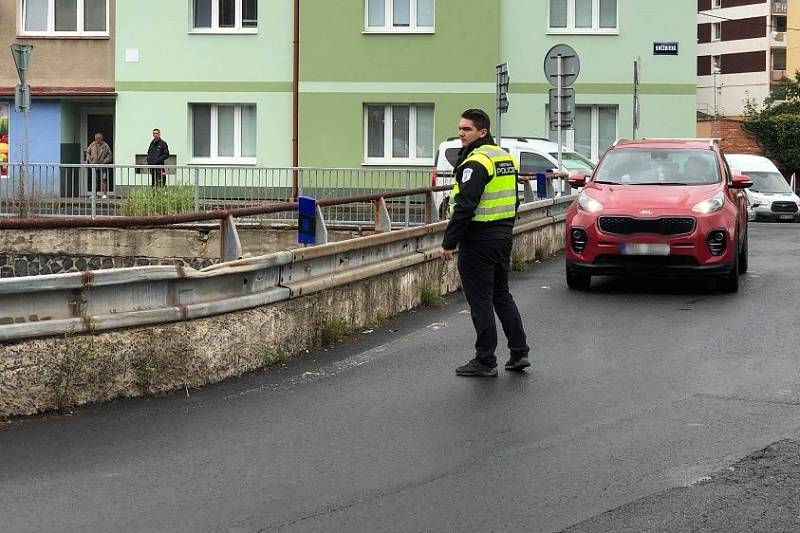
x,y
472,178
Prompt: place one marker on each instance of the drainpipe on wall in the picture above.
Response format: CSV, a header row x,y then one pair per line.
x,y
295,98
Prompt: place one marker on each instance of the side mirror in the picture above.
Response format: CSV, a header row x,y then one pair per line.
x,y
577,180
741,182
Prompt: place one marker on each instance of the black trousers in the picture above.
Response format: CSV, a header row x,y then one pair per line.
x,y
157,177
483,267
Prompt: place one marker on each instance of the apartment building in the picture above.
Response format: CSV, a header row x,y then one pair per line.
x,y
215,76
72,80
793,38
742,52
608,35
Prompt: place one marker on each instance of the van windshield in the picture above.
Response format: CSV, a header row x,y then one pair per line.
x,y
772,182
574,161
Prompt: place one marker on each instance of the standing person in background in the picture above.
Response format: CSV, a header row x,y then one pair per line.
x,y
483,210
157,154
99,153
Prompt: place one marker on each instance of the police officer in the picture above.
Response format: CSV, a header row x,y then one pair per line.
x,y
482,212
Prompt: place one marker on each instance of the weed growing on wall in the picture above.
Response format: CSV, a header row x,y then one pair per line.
x,y
430,296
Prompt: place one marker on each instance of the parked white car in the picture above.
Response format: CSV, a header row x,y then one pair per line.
x,y
771,197
533,154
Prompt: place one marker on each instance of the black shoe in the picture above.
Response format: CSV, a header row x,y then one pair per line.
x,y
475,369
518,365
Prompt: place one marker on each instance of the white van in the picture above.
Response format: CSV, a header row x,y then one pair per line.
x,y
771,198
534,155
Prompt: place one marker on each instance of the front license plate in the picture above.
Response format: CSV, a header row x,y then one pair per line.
x,y
787,217
644,249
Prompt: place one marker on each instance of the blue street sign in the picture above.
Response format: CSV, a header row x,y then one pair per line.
x,y
307,220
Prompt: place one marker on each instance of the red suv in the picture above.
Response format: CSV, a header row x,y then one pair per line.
x,y
659,207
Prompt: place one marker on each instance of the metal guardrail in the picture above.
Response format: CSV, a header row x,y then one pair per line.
x,y
113,190
58,304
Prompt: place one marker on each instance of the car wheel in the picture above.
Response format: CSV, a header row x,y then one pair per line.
x,y
577,281
730,282
743,257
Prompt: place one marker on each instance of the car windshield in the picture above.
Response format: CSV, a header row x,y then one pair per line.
x,y
657,166
771,182
574,161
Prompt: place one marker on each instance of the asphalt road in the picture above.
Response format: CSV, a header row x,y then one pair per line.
x,y
637,387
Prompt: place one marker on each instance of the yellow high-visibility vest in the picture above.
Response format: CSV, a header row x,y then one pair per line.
x,y
499,198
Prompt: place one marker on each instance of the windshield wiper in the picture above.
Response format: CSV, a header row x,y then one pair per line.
x,y
661,183
607,182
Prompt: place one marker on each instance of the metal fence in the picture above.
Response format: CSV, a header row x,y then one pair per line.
x,y
40,190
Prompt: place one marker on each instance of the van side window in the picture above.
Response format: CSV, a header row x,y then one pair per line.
x,y
531,163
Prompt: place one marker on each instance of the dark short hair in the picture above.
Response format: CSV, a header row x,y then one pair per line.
x,y
156,129
478,117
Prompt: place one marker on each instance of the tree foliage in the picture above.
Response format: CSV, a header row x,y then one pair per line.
x,y
777,125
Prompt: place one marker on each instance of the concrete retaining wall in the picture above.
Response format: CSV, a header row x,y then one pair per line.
x,y
60,372
38,252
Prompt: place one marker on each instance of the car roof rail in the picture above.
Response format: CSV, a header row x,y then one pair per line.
x,y
710,140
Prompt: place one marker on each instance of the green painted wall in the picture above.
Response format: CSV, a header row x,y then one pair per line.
x,y
332,126
172,117
452,68
177,68
606,76
334,46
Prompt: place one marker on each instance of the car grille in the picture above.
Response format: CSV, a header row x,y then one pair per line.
x,y
646,260
659,226
784,207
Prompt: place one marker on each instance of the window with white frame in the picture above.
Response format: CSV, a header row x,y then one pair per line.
x,y
595,130
716,4
399,15
716,31
398,134
224,16
583,16
716,65
223,133
60,18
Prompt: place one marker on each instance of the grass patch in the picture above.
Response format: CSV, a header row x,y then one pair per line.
x,y
430,296
168,200
335,330
518,263
277,357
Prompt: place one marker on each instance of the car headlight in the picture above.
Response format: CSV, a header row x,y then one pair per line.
x,y
712,205
587,203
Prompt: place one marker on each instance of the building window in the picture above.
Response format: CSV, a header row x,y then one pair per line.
x,y
583,16
225,16
778,59
716,4
398,134
595,130
402,16
780,24
223,133
60,18
716,64
716,31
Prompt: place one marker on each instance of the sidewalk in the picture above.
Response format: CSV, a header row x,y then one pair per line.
x,y
759,493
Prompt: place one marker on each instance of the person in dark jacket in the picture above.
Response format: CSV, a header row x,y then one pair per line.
x,y
481,226
157,154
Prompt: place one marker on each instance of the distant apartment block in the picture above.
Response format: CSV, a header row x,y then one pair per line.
x,y
742,53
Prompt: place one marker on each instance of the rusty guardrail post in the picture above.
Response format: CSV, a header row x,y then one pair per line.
x,y
383,221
